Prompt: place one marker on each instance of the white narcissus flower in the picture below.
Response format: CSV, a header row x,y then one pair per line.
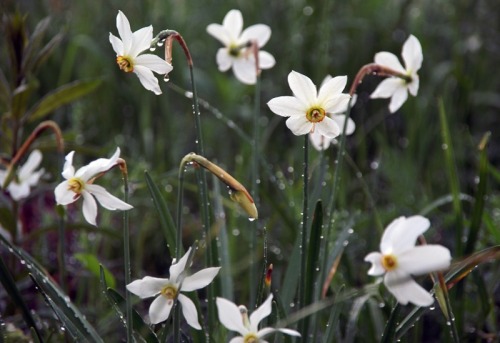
x,y
80,184
235,318
167,290
308,109
394,87
320,142
235,53
399,259
128,53
27,177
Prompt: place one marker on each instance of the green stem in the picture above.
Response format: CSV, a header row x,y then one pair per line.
x,y
254,270
126,257
336,177
202,183
305,210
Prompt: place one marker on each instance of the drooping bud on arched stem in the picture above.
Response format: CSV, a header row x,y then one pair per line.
x,y
375,69
238,192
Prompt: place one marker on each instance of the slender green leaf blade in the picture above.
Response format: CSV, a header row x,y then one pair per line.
x,y
59,97
166,220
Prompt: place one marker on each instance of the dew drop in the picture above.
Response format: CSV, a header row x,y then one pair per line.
x,y
166,78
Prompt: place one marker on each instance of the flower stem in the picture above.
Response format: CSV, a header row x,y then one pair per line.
x,y
126,252
201,177
305,210
254,269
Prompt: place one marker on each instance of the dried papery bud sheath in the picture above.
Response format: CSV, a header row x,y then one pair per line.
x,y
239,193
376,69
269,273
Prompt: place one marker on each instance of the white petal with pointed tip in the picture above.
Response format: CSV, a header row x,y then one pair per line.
x,y
159,310
189,311
200,279
230,316
147,286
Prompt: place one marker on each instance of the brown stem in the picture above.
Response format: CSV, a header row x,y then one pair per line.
x,y
49,124
376,69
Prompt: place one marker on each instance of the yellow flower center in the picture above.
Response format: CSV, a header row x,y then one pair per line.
x,y
125,64
315,115
76,185
389,262
251,338
234,50
169,292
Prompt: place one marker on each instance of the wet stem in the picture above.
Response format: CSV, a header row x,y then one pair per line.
x,y
126,256
305,210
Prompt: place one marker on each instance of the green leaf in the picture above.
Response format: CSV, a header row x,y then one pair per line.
x,y
59,97
72,319
477,211
34,43
166,221
11,288
118,303
390,329
451,169
91,262
46,51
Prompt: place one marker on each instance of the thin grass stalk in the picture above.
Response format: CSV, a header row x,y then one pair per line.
x,y
450,318
254,270
303,232
126,255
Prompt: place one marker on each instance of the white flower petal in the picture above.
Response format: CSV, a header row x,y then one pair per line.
x,y
98,166
375,258
147,286
264,332
200,279
289,332
18,191
238,339
189,311
398,99
389,60
402,234
123,26
337,103
117,44
303,88
89,208
405,289
260,313
141,40
424,259
107,200
220,33
230,316
63,195
259,32
155,63
32,180
319,142
224,60
388,87
245,71
34,160
233,23
331,88
340,120
68,169
328,128
177,268
299,125
287,106
412,54
160,309
266,60
413,85
147,78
